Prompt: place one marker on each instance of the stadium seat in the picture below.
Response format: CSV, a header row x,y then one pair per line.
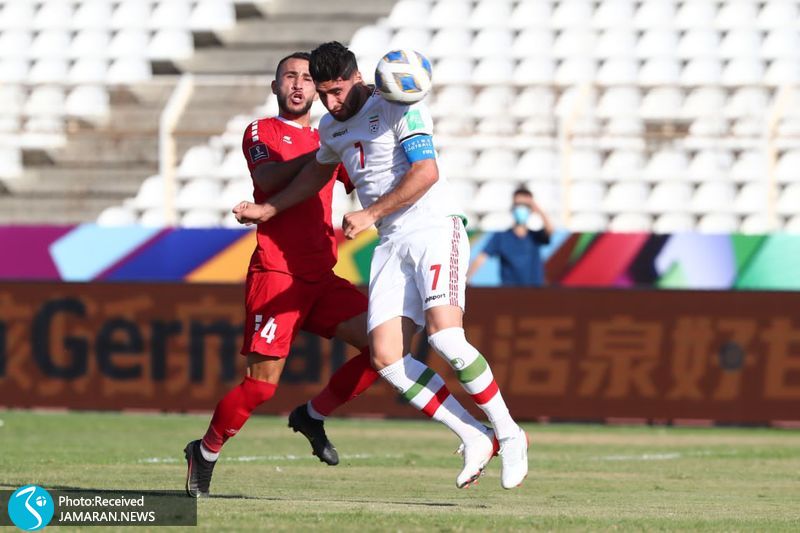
x,y
496,221
534,71
494,196
618,72
199,161
588,222
491,42
531,14
710,165
585,196
15,43
534,102
626,197
692,15
236,191
713,197
759,224
576,70
585,164
88,70
630,223
463,193
740,14
661,103
747,101
751,165
574,43
792,225
572,14
699,43
702,71
538,126
656,43
709,126
452,99
129,70
53,15
619,101
538,164
497,125
788,167
173,14
116,216
743,71
613,14
129,43
493,101
90,43
17,15
409,14
450,14
45,100
654,14
670,197
10,162
88,101
493,71
453,70
233,167
753,198
170,44
625,126
150,194
200,193
456,162
213,15
368,38
782,43
450,42
718,223
623,165
741,43
490,14
673,223
131,14
616,43
704,101
495,163
789,199
92,15
659,72
666,164
154,217
51,44
778,15
415,38
748,127
533,42
200,218
783,72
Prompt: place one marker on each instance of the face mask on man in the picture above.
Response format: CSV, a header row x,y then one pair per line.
x,y
521,214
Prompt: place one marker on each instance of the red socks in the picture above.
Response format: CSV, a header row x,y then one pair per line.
x,y
350,380
234,409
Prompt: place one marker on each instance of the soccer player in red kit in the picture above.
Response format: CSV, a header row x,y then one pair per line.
x,y
290,284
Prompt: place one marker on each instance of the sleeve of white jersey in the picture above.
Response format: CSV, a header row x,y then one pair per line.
x,y
408,121
325,155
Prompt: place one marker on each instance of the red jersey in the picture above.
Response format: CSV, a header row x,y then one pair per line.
x,y
299,241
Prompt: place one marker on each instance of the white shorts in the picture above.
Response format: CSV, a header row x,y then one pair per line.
x,y
413,272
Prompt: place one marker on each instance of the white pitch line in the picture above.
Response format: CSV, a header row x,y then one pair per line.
x,y
642,457
252,458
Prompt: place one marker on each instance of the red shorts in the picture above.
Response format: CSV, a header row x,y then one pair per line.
x,y
279,305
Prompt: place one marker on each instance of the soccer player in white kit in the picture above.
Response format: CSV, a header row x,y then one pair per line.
x,y
418,270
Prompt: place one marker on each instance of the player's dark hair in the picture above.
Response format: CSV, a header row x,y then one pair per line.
x,y
296,55
331,61
524,191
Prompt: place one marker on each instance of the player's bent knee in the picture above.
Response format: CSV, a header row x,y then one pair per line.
x,y
451,343
257,391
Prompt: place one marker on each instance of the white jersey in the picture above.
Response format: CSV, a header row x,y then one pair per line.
x,y
369,146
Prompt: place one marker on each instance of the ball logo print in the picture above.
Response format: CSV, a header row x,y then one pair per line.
x,y
403,76
31,508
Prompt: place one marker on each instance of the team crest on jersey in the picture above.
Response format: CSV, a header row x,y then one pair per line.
x,y
258,152
287,139
373,124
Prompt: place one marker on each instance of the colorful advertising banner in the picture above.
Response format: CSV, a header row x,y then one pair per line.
x,y
566,354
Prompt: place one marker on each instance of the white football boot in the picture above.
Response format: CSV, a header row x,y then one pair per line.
x,y
514,456
477,453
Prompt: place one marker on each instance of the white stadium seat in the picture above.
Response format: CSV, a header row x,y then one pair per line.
x,y
753,198
623,165
48,71
693,15
616,43
702,71
657,43
741,42
409,13
783,43
453,70
588,222
53,15
199,193
213,15
493,71
52,43
613,14
572,14
88,70
174,14
131,14
92,15
171,44
90,43
713,196
538,163
739,14
88,101
759,224
450,14
14,70
670,197
129,70
495,163
201,218
130,42
788,168
711,164
699,43
531,14
116,216
626,196
491,14
497,221
416,38
789,199
535,41
659,72
450,42
368,38
673,223
494,196
150,194
534,71
586,196
718,223
199,161
662,103
491,42
667,164
630,223
778,15
655,14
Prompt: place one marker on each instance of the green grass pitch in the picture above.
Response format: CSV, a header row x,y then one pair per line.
x,y
400,475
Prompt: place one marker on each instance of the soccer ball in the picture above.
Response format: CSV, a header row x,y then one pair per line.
x,y
41,501
403,76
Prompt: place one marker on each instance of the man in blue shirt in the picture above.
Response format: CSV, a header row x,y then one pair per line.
x,y
518,247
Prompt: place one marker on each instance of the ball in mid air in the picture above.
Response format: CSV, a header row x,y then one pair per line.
x,y
403,76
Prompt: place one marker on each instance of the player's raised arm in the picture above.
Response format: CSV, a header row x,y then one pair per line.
x,y
275,175
309,181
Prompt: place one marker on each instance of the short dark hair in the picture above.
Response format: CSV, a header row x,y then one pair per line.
x,y
296,55
331,61
523,191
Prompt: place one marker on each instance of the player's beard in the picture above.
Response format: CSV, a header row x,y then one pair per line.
x,y
285,106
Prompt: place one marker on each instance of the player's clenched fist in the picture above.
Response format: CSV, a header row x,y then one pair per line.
x,y
355,222
248,213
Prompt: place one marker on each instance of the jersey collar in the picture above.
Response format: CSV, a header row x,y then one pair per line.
x,y
290,122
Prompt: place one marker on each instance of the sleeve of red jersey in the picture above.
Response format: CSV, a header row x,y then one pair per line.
x,y
260,145
344,177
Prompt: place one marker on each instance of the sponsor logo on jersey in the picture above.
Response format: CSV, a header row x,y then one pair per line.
x,y
339,133
258,152
287,139
414,120
373,124
434,297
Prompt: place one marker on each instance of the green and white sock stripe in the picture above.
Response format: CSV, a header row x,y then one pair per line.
x,y
414,380
424,388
